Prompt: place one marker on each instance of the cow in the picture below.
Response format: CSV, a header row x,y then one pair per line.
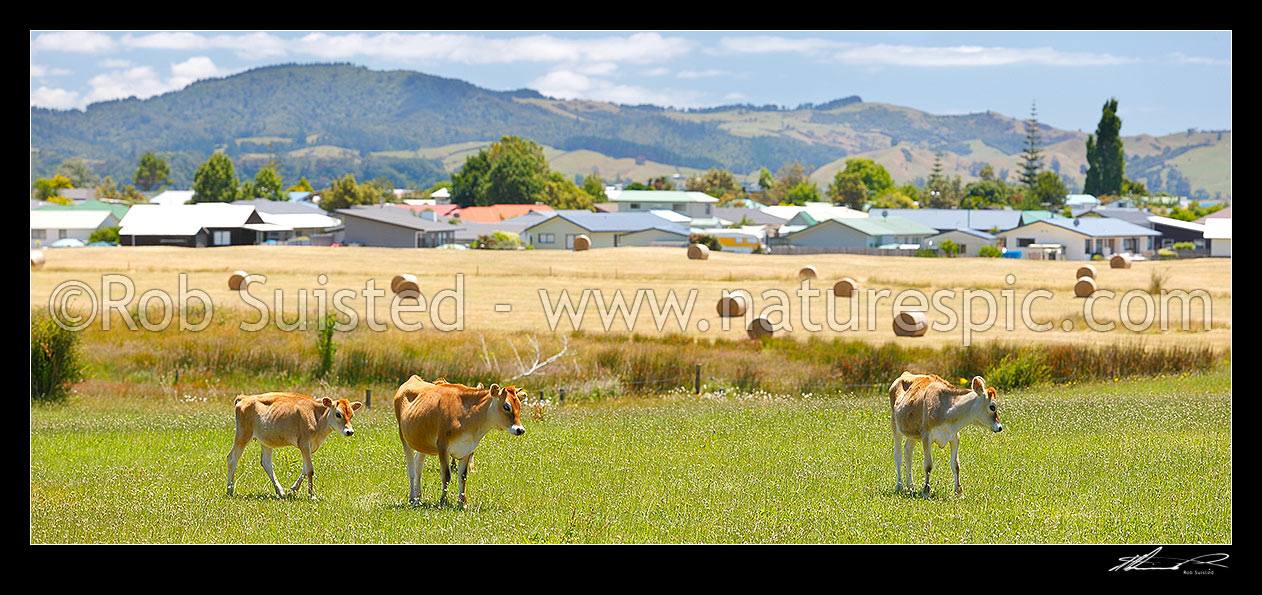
x,y
280,419
927,408
448,420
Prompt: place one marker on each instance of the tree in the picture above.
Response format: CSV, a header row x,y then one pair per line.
x,y
343,194
986,192
894,199
661,183
46,189
512,170
594,186
765,180
302,186
718,183
1049,189
267,184
561,193
789,177
941,192
215,180
1031,160
1105,159
152,172
849,190
78,172
802,193
108,189
872,174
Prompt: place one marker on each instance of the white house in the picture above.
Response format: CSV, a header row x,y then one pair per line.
x,y
48,226
605,230
696,205
196,225
1083,237
872,232
172,198
1218,233
969,240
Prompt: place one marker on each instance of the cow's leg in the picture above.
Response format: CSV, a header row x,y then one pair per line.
x,y
927,444
955,463
308,471
409,458
898,463
238,447
908,445
464,473
443,457
266,461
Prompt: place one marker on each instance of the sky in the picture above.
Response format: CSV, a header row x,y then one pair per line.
x,y
1165,81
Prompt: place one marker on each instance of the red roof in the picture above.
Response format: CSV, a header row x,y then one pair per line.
x,y
497,213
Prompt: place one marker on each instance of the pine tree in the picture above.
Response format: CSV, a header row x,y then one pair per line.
x,y
1031,160
1105,159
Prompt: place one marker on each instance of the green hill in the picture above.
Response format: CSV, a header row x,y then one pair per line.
x,y
323,121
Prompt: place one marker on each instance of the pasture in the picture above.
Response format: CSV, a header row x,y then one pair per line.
x,y
1138,460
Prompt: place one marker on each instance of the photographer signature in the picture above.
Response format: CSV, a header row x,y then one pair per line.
x,y
1150,560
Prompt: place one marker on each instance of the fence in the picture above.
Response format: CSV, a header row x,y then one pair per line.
x,y
790,250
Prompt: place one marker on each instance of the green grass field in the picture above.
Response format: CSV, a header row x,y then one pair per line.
x,y
1131,461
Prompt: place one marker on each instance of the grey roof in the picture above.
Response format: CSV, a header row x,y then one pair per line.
x,y
734,214
946,219
395,216
973,232
617,222
467,231
1099,227
280,207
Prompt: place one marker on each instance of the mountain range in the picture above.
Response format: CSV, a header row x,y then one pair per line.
x,y
322,121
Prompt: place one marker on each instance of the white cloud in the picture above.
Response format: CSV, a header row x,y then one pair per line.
x,y
697,74
568,84
905,55
765,44
250,45
660,71
73,41
192,70
477,49
115,63
1181,58
38,70
54,98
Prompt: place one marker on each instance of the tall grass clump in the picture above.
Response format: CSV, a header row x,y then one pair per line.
x,y
1027,368
325,345
55,361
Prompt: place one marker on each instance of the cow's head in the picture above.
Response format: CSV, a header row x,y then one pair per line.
x,y
506,408
988,411
340,413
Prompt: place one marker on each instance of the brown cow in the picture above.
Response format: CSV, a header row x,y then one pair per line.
x,y
928,408
448,420
278,420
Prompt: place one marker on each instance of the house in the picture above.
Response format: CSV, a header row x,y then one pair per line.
x,y
815,212
970,241
440,210
196,225
1224,212
78,195
49,225
758,217
290,220
1083,237
118,209
1081,201
171,198
1172,230
872,232
1218,234
944,220
392,227
605,230
693,204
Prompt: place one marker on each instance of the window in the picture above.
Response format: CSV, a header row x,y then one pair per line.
x,y
1166,242
223,238
1087,248
63,233
677,207
37,234
707,210
1023,242
635,206
547,238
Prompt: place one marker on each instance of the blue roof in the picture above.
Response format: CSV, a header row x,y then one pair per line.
x,y
616,222
947,219
1100,227
299,195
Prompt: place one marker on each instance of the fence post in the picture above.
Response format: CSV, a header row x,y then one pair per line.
x,y
696,387
562,395
368,398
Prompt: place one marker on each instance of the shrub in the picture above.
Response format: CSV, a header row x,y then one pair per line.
x,y
990,252
55,360
1026,369
707,240
1183,246
926,253
105,234
1167,254
950,248
325,345
500,240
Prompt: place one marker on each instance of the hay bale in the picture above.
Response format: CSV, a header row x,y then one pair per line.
x,y
400,278
582,242
37,259
238,280
698,252
408,287
845,288
732,306
910,324
1120,261
1086,270
808,272
1084,287
760,327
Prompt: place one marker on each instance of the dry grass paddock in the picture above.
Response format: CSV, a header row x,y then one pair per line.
x,y
494,278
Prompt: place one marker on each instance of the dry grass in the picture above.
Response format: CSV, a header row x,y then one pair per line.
x,y
516,278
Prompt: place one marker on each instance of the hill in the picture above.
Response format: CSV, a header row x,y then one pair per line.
x,y
322,121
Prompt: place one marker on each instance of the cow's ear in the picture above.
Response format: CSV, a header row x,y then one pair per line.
x,y
990,392
327,402
495,389
356,405
479,386
978,385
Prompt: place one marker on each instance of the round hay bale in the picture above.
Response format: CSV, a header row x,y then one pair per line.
x,y
400,278
1086,270
808,272
698,252
910,324
408,287
845,288
37,259
732,306
582,242
1084,287
238,280
1120,261
760,327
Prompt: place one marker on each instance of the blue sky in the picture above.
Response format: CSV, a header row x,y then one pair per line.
x,y
1164,81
